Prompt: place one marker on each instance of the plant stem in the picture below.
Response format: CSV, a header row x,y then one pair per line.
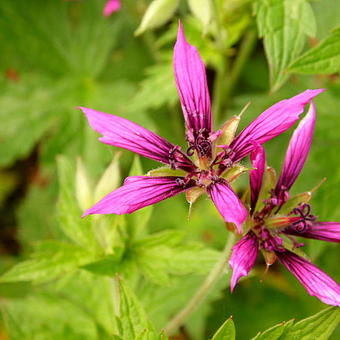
x,y
203,291
244,53
222,71
219,90
116,295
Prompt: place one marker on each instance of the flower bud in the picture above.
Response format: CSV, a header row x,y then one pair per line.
x,y
83,189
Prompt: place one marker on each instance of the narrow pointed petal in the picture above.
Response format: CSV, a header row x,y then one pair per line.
x,y
192,85
316,282
271,123
297,151
227,203
121,132
325,231
111,6
139,192
243,257
258,161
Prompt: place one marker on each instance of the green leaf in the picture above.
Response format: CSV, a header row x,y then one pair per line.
x,y
284,25
275,332
77,41
159,76
319,326
49,260
322,59
157,14
158,257
202,11
25,115
45,316
77,229
132,317
92,294
226,331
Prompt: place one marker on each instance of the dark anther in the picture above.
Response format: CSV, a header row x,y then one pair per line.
x,y
185,182
190,151
306,218
172,160
200,143
300,226
180,182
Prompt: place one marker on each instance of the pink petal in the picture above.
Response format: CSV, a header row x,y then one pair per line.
x,y
243,257
192,85
272,122
298,150
325,231
111,6
121,132
258,161
139,192
316,282
227,203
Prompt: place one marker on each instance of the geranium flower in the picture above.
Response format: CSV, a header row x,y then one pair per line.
x,y
275,219
214,155
111,6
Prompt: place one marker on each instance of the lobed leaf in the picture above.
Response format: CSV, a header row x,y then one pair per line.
x,y
283,25
322,59
226,331
49,260
319,326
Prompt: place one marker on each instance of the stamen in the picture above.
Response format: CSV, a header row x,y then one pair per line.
x,y
177,159
306,218
201,143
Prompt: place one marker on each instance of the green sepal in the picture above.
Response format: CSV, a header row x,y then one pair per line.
x,y
268,183
235,172
166,171
228,131
294,202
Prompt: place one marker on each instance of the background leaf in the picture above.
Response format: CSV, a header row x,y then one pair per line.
x,y
322,59
284,25
226,331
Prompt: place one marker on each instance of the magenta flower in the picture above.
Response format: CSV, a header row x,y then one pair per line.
x,y
110,7
212,166
278,217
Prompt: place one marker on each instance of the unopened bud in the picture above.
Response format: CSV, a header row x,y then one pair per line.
x,y
110,180
83,189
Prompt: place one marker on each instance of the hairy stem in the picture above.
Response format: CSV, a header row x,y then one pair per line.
x,y
246,48
222,71
203,291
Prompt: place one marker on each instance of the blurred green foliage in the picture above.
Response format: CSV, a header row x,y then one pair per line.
x,y
125,277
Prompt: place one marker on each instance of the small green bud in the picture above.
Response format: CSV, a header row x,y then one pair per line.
x,y
110,180
157,14
83,189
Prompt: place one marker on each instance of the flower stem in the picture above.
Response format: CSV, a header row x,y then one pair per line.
x,y
246,48
203,291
